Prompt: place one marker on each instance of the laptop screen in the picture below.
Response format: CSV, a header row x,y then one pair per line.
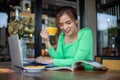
x,y
15,50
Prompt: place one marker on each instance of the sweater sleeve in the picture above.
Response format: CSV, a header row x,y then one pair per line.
x,y
83,52
58,53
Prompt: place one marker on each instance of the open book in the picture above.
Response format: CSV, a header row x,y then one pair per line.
x,y
77,66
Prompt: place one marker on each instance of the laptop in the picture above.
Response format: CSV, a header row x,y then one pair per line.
x,y
17,54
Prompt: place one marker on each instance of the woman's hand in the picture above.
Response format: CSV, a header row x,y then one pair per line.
x,y
45,37
46,60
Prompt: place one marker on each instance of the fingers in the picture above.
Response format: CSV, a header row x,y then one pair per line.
x,y
44,32
44,60
38,60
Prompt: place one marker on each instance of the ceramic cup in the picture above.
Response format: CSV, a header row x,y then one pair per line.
x,y
51,30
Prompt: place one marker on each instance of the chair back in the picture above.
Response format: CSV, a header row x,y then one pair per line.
x,y
111,64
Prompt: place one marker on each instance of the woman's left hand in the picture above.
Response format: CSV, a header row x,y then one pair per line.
x,y
46,60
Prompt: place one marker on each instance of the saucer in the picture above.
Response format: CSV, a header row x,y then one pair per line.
x,y
34,68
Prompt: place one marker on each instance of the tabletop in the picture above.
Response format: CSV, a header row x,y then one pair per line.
x,y
10,72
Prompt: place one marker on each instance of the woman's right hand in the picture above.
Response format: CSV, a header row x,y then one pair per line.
x,y
45,37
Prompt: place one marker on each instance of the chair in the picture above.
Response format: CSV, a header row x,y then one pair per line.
x,y
111,62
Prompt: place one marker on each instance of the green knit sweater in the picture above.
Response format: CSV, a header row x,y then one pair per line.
x,y
80,49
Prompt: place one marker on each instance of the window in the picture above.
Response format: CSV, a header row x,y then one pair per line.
x,y
108,27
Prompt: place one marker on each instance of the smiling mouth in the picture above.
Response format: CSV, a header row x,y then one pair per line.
x,y
67,31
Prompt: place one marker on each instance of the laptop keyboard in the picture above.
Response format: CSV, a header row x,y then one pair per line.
x,y
28,61
33,62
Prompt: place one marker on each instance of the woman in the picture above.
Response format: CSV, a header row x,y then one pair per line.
x,y
73,44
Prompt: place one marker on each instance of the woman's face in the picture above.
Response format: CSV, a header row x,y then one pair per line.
x,y
67,24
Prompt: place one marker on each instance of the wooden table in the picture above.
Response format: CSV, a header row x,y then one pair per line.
x,y
20,74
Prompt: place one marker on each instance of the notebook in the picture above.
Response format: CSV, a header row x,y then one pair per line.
x,y
17,56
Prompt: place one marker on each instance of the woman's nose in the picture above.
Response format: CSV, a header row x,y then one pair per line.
x,y
65,26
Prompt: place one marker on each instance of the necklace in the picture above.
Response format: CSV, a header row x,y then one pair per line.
x,y
68,40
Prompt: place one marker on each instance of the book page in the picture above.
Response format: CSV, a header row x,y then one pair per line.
x,y
93,63
60,68
77,66
74,67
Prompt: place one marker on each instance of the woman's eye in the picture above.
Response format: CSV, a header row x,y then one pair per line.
x,y
68,22
60,25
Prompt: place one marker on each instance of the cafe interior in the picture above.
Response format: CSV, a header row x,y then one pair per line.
x,y
27,18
